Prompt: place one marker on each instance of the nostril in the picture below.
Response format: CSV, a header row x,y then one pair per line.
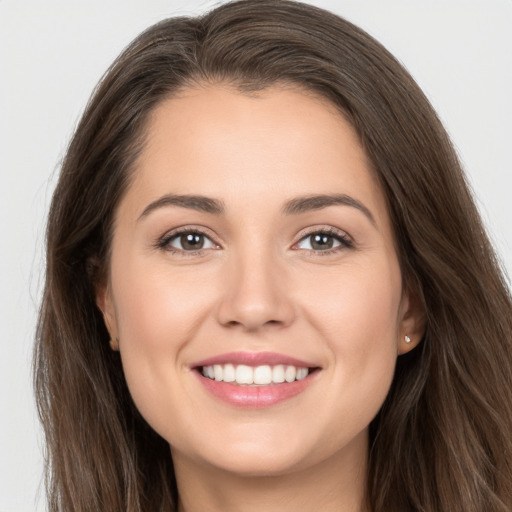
x,y
253,325
254,305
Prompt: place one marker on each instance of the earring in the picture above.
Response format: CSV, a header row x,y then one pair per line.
x,y
407,339
114,344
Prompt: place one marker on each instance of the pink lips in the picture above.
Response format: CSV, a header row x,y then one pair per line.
x,y
253,359
254,396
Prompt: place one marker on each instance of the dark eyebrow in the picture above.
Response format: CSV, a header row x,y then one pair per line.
x,y
317,202
200,203
293,207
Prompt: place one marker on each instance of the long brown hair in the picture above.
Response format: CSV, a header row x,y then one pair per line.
x,y
443,438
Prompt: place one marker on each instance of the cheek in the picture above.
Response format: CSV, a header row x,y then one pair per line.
x,y
157,314
357,304
357,314
157,307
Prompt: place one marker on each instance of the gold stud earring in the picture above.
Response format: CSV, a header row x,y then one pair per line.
x,y
407,339
114,344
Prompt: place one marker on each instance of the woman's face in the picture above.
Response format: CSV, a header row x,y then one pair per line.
x,y
254,244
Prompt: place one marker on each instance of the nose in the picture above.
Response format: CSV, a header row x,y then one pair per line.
x,y
256,295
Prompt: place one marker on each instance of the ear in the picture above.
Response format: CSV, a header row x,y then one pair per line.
x,y
105,303
412,321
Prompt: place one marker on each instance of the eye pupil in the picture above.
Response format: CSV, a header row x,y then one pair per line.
x,y
321,241
192,241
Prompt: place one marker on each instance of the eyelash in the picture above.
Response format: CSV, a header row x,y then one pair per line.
x,y
344,240
165,241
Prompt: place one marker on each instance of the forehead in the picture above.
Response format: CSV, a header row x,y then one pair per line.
x,y
241,148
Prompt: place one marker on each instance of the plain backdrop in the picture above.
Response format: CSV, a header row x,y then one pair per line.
x,y
52,53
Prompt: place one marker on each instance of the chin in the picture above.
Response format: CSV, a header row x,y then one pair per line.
x,y
265,453
248,463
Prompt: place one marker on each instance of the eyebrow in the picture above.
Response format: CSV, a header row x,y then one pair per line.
x,y
317,202
193,202
295,206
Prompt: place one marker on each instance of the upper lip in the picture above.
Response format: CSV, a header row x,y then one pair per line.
x,y
254,359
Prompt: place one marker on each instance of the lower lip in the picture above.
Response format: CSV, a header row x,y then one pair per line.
x,y
255,396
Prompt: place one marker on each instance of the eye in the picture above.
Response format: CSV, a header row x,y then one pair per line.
x,y
323,241
188,241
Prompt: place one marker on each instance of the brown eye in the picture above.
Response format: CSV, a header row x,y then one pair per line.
x,y
190,241
323,241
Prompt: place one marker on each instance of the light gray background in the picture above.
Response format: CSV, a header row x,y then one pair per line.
x,y
52,53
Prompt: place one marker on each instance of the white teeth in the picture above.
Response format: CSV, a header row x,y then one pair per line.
x,y
229,373
244,374
262,375
290,373
217,372
278,374
259,375
302,373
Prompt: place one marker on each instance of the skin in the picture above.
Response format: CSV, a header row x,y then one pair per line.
x,y
258,286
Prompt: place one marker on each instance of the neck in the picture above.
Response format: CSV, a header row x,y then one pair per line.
x,y
336,484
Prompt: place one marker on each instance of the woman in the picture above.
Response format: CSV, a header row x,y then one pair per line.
x,y
268,286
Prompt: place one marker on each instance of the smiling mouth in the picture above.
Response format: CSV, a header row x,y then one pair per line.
x,y
263,375
255,379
